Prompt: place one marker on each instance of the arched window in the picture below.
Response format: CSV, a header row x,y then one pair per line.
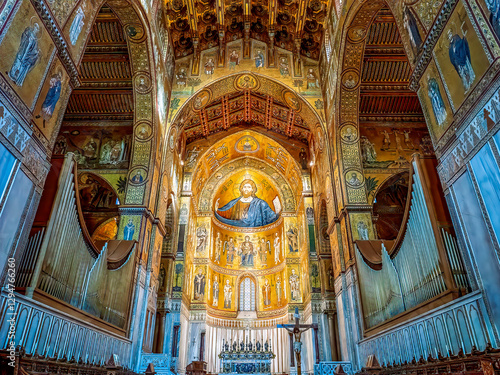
x,y
247,295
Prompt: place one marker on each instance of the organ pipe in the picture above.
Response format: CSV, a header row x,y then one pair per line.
x,y
62,260
423,263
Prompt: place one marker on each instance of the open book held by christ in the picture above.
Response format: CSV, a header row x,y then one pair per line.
x,y
247,210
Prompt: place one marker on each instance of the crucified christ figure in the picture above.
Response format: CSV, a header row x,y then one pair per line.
x,y
296,330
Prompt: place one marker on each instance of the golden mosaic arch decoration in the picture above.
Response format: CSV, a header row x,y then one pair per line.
x,y
266,85
136,30
142,154
349,96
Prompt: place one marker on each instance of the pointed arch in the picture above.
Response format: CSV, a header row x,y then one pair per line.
x,y
305,119
139,103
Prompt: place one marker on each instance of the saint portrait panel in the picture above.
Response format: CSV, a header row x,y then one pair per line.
x,y
460,57
26,51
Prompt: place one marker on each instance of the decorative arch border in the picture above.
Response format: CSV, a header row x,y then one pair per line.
x,y
229,84
354,38
320,224
141,58
132,17
169,226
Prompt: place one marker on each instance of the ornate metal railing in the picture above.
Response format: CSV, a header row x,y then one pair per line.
x,y
329,368
246,358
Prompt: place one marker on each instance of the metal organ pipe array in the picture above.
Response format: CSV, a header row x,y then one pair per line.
x,y
413,271
62,261
46,264
380,290
417,260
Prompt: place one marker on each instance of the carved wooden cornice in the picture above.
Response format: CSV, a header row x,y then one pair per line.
x,y
127,85
408,118
379,50
62,48
383,88
98,117
106,49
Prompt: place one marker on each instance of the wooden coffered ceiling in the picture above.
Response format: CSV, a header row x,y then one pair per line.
x,y
246,108
105,73
295,25
386,72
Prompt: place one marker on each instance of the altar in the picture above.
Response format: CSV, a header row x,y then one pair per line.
x,y
246,358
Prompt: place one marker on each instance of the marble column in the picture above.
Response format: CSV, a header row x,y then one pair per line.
x,y
333,339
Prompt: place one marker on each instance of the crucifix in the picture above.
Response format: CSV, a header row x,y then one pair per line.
x,y
296,330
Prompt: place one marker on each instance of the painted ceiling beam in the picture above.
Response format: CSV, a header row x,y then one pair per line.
x,y
301,19
110,90
273,13
204,122
220,10
193,23
192,16
390,93
290,122
248,106
105,57
225,112
247,5
385,58
269,111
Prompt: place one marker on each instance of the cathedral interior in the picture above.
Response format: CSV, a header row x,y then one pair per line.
x,y
249,187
